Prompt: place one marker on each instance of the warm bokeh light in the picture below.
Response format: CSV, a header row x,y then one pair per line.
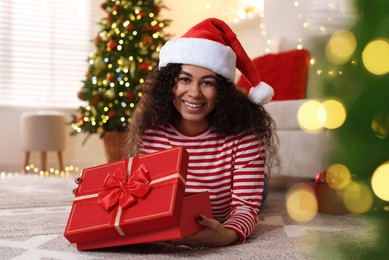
x,y
380,181
341,46
332,114
357,198
301,203
338,176
308,116
375,56
380,125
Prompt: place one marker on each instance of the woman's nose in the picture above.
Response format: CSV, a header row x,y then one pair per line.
x,y
194,90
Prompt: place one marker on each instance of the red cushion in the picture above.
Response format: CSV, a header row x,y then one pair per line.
x,y
286,72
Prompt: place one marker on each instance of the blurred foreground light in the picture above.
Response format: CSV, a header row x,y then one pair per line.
x,y
308,116
357,198
332,114
380,181
341,46
375,56
338,176
301,203
380,125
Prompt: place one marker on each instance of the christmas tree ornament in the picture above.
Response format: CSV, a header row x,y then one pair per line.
x,y
99,63
130,95
80,94
110,93
112,113
129,27
95,99
112,44
147,40
144,66
110,76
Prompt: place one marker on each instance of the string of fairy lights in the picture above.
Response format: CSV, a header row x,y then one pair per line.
x,y
32,169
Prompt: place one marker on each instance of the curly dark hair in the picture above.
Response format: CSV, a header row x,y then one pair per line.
x,y
233,112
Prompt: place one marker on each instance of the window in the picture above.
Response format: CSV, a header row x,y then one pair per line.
x,y
44,45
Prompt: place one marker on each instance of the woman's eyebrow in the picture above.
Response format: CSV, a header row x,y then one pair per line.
x,y
186,73
213,76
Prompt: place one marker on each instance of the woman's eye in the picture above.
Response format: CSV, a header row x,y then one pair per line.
x,y
184,79
208,83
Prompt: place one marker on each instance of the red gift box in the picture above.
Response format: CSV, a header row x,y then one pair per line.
x,y
136,200
329,200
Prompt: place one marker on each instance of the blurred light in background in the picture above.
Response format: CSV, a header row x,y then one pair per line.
x,y
375,56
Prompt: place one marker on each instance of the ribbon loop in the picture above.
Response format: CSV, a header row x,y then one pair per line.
x,y
118,189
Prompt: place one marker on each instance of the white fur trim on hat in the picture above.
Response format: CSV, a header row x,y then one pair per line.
x,y
261,94
200,52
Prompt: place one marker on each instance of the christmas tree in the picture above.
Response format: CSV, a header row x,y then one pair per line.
x,y
126,50
360,58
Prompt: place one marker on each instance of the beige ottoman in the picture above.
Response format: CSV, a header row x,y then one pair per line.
x,y
43,131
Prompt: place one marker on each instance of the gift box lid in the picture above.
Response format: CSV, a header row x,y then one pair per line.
x,y
161,177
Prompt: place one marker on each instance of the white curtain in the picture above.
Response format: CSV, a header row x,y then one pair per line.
x,y
44,45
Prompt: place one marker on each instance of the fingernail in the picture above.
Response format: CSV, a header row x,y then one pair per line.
x,y
78,180
199,218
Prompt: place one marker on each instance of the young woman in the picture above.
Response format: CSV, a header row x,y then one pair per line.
x,y
191,100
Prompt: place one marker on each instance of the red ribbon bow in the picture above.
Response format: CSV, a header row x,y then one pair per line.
x,y
119,189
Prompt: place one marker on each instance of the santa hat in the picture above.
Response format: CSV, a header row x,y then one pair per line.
x,y
213,45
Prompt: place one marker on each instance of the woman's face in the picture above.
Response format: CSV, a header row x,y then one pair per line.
x,y
194,97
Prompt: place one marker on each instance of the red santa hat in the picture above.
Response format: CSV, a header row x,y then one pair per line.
x,y
213,45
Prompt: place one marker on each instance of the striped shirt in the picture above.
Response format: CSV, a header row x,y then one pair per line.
x,y
230,168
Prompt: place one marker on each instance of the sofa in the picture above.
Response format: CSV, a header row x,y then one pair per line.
x,y
302,154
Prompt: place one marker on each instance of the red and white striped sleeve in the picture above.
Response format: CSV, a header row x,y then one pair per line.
x,y
247,186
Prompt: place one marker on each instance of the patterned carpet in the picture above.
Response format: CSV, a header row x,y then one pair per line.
x,y
34,212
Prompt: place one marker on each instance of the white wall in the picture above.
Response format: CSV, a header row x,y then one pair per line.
x,y
281,23
12,156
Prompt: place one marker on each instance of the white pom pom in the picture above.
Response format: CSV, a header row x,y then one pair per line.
x,y
261,94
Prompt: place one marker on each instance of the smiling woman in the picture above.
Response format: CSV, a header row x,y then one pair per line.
x,y
42,51
191,101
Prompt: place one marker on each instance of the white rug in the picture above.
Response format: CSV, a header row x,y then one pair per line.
x,y
34,212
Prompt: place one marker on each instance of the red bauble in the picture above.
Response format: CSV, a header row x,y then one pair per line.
x,y
80,95
147,40
80,119
119,21
144,66
112,44
111,113
130,95
129,27
103,6
150,28
116,8
95,99
321,177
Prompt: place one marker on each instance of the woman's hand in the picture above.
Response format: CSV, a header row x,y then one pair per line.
x,y
214,234
77,180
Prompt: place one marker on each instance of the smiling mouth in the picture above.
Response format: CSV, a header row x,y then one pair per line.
x,y
193,106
